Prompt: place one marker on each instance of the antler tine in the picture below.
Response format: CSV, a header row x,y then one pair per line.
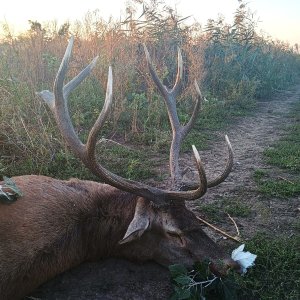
x,y
163,89
71,85
61,106
179,132
92,138
228,166
175,90
221,177
187,128
201,171
49,98
58,104
154,76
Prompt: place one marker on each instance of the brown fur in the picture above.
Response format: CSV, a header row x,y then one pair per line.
x,y
57,225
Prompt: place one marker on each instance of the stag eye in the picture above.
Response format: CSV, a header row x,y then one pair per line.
x,y
176,236
173,234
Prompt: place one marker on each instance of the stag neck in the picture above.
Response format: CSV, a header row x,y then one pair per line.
x,y
110,206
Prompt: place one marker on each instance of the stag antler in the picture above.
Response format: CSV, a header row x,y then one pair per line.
x,y
86,152
179,131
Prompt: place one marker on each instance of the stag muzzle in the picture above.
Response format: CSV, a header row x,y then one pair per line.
x,y
222,267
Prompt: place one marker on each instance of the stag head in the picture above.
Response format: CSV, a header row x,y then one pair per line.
x,y
162,228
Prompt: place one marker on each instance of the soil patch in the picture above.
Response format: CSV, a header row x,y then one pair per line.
x,y
249,138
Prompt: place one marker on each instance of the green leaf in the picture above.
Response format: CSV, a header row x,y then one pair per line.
x,y
182,293
177,270
9,183
9,192
182,279
4,197
228,291
202,268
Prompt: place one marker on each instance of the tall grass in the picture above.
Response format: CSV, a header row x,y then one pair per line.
x,y
232,62
243,64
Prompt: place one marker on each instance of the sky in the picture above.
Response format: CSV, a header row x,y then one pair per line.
x,y
277,18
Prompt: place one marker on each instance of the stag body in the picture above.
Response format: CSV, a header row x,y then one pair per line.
x,y
58,224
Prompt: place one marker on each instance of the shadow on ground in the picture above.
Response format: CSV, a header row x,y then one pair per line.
x,y
117,279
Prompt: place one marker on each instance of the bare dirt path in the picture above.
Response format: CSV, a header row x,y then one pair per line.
x,y
119,279
249,138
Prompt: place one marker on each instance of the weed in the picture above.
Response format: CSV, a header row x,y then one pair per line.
x,y
276,274
211,211
132,163
259,174
200,283
284,154
236,208
218,210
296,225
279,187
2,168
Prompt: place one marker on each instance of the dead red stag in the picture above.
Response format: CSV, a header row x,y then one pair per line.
x,y
58,224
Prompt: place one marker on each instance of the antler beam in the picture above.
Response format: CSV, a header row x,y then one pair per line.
x,y
179,131
86,152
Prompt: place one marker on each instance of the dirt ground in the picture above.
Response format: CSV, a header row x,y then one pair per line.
x,y
249,138
119,279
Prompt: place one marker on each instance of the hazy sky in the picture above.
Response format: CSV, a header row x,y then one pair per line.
x,y
279,18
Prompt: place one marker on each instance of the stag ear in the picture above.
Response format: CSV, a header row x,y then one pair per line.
x,y
140,222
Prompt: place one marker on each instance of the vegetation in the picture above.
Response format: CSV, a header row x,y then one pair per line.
x,y
279,187
234,64
286,153
276,272
200,284
218,210
285,156
275,275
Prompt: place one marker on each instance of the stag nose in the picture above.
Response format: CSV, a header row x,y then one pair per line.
x,y
222,267
233,265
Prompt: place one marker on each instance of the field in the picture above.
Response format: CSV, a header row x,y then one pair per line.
x,y
252,89
268,218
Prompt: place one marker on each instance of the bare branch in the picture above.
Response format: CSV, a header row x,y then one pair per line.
x,y
236,239
235,225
